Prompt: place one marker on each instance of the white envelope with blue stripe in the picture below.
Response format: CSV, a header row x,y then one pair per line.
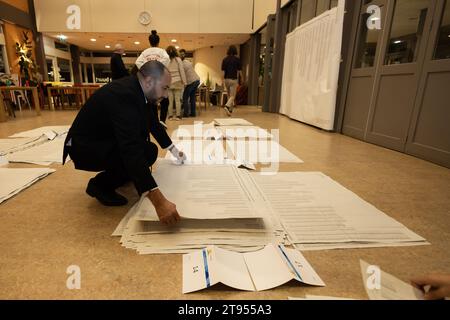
x,y
266,269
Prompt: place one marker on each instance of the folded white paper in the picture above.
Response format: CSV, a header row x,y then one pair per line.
x,y
253,271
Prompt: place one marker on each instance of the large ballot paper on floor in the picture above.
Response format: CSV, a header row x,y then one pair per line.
x,y
219,205
242,211
317,212
13,181
19,144
42,154
58,130
253,271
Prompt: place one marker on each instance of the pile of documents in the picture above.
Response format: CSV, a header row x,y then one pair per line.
x,y
210,131
41,146
242,211
18,144
223,205
59,130
265,269
244,143
219,205
317,213
15,180
43,154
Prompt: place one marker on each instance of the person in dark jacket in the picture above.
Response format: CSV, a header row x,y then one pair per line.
x,y
110,135
118,69
232,69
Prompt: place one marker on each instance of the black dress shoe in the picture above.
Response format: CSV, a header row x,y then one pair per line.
x,y
108,198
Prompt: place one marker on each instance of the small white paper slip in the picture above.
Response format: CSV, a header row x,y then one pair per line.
x,y
261,270
50,134
380,285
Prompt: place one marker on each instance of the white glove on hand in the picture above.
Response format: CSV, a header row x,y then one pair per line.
x,y
179,155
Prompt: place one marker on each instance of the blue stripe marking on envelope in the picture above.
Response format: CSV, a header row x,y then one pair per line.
x,y
205,262
290,263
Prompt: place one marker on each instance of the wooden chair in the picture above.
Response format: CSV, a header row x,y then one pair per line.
x,y
9,104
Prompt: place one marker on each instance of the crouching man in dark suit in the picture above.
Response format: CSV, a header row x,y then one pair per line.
x,y
110,135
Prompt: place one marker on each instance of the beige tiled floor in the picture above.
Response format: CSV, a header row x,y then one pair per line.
x,y
54,224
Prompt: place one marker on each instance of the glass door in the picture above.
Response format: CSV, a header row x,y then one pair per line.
x,y
398,72
429,132
367,52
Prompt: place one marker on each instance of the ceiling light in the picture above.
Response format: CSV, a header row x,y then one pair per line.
x,y
93,40
62,37
137,42
174,40
107,46
398,41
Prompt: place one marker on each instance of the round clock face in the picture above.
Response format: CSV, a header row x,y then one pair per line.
x,y
145,18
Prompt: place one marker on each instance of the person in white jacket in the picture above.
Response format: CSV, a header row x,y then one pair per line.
x,y
176,70
158,54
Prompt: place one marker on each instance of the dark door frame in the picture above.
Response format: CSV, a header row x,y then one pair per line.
x,y
430,66
369,72
413,69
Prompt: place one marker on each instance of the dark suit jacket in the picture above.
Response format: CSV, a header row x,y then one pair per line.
x,y
116,121
118,69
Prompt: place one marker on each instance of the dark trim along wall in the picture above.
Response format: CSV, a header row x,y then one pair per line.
x,y
16,16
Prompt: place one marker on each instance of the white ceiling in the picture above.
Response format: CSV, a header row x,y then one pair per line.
x,y
190,42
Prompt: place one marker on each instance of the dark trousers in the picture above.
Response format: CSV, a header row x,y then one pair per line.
x,y
113,172
164,104
189,103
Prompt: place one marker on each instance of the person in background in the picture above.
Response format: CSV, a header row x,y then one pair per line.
x,y
111,133
158,54
176,70
232,68
118,69
193,81
435,287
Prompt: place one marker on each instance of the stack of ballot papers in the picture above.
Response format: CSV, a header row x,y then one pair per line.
x,y
232,122
244,132
260,151
243,151
201,151
266,269
15,180
41,154
199,130
218,206
380,285
317,213
306,209
211,132
18,144
38,132
207,152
